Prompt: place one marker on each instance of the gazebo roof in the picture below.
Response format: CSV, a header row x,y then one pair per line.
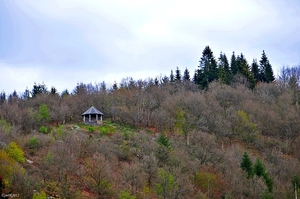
x,y
92,110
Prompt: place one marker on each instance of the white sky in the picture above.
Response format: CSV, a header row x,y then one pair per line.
x,y
64,42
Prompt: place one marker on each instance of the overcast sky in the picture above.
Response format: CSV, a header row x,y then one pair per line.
x,y
65,42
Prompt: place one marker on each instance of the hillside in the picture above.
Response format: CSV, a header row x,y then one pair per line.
x,y
166,140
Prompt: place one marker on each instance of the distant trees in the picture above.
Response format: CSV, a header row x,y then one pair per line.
x,y
290,78
247,165
208,70
258,169
211,70
266,71
38,89
186,75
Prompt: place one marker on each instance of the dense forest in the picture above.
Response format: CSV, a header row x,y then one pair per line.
x,y
231,130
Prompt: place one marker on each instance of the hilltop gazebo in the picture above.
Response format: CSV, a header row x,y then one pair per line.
x,y
92,116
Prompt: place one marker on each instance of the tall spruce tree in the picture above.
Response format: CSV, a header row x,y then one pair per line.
x,y
255,70
208,70
233,64
244,69
186,75
195,77
247,165
2,97
225,75
177,75
266,69
172,76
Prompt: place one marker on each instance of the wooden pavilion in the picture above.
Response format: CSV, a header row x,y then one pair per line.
x,y
92,116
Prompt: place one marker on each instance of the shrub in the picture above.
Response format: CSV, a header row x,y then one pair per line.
x,y
103,130
14,151
41,195
33,143
126,195
91,129
43,129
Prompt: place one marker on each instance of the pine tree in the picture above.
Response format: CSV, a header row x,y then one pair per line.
x,y
177,75
2,97
156,82
195,77
165,80
26,94
259,168
38,89
172,76
53,91
266,69
186,75
233,64
269,181
269,75
208,71
65,93
224,70
255,70
244,69
222,75
246,165
115,86
164,141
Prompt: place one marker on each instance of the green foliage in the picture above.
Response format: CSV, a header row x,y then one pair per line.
x,y
186,75
246,165
43,129
14,151
162,154
44,113
164,140
267,195
269,182
259,168
38,89
41,195
103,130
49,159
124,152
5,127
166,184
245,129
224,74
125,195
6,165
33,142
91,129
177,75
180,120
255,70
208,70
60,130
205,181
266,71
171,76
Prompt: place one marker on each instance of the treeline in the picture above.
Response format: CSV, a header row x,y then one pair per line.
x,y
210,69
221,70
